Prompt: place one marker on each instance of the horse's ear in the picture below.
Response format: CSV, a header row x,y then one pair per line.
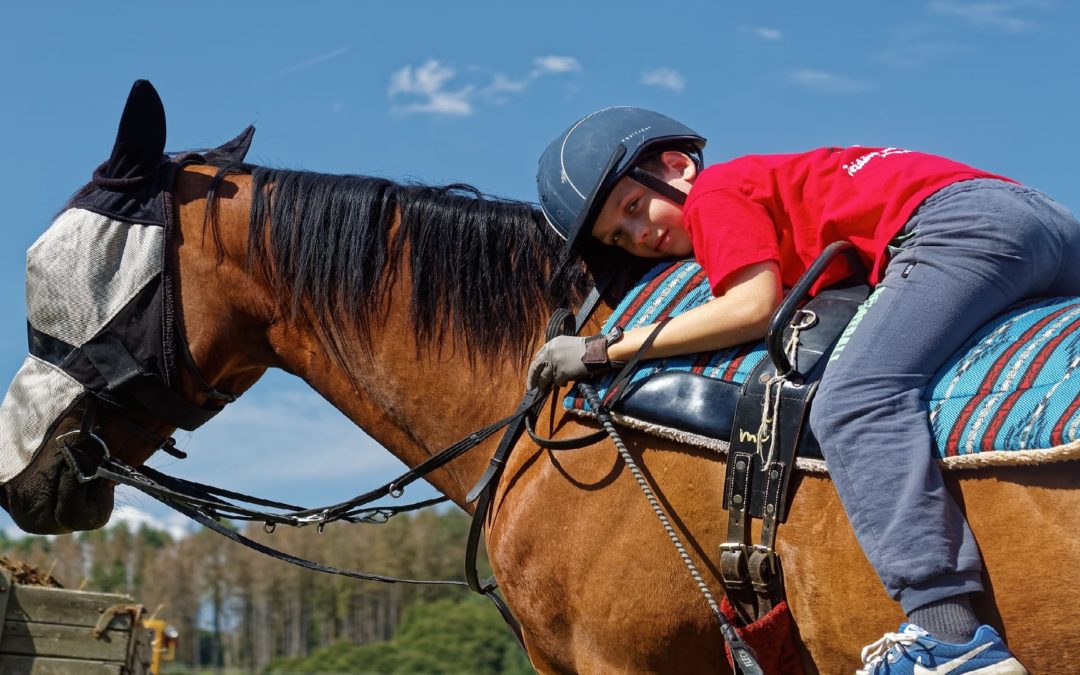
x,y
140,140
234,150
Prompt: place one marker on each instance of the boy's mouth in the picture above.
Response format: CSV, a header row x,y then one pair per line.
x,y
662,240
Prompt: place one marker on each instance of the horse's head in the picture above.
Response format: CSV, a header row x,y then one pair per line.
x,y
109,371
140,321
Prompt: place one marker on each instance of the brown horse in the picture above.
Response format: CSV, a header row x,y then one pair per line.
x,y
413,311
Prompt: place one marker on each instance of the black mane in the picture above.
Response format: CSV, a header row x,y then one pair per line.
x,y
484,272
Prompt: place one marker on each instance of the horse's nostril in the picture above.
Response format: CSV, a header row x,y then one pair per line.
x,y
3,499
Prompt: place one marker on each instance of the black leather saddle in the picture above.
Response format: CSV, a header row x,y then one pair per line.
x,y
706,407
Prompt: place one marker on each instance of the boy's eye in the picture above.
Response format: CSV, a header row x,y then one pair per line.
x,y
632,206
615,237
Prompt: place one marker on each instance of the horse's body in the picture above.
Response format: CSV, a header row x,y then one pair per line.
x,y
580,556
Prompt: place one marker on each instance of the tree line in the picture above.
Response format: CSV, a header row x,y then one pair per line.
x,y
237,609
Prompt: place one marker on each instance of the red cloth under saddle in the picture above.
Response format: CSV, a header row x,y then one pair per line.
x,y
771,637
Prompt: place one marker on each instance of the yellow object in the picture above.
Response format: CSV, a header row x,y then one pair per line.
x,y
163,645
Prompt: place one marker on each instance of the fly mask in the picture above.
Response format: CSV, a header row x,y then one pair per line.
x,y
101,298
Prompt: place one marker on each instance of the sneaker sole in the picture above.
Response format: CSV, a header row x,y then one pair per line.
x,y
1009,666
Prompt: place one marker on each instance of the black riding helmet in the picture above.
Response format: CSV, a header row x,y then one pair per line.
x,y
578,170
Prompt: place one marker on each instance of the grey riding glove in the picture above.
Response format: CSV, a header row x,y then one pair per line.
x,y
568,357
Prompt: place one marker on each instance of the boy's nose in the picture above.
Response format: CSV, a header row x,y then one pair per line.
x,y
640,233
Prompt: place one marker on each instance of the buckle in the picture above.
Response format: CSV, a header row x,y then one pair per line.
x,y
734,564
764,568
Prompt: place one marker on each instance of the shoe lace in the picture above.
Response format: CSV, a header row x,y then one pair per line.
x,y
873,653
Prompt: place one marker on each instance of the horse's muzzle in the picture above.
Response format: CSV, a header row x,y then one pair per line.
x,y
53,500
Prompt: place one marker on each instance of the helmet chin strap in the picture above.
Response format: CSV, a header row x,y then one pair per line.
x,y
655,184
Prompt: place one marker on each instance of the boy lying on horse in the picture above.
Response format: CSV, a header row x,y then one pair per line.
x,y
948,248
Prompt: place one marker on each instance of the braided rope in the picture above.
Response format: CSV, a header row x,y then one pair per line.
x,y
738,647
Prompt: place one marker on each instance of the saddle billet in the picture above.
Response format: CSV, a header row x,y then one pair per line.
x,y
769,429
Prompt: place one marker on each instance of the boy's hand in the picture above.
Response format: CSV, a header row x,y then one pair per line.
x,y
566,358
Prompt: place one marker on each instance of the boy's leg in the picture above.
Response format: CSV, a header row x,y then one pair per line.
x,y
977,247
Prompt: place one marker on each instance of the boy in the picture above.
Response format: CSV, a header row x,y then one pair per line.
x,y
968,244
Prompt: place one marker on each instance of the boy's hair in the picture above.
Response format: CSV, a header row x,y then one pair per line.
x,y
652,163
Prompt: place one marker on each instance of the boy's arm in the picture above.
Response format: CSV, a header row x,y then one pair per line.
x,y
740,315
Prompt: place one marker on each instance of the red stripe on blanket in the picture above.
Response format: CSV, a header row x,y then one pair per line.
x,y
645,293
683,292
736,361
701,362
1057,437
1030,374
987,384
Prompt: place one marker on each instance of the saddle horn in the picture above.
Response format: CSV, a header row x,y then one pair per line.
x,y
140,141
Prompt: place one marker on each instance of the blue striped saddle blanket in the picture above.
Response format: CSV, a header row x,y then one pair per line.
x,y
1009,396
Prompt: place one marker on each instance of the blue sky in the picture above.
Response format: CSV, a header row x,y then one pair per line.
x,y
473,91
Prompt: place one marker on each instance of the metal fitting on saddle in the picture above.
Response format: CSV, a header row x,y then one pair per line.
x,y
803,319
734,564
766,578
764,568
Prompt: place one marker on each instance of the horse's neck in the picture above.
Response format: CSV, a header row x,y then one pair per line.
x,y
415,402
412,401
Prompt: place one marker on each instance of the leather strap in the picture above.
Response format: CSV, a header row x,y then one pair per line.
x,y
596,357
125,377
657,185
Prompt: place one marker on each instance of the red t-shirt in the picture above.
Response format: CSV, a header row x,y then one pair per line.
x,y
788,208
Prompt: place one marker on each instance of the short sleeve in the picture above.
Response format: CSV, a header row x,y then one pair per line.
x,y
729,231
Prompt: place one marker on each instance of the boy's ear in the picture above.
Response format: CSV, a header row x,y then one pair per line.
x,y
679,164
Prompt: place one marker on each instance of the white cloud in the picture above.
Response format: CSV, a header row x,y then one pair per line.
x,y
667,78
827,82
425,88
426,83
554,64
177,525
993,14
767,33
501,83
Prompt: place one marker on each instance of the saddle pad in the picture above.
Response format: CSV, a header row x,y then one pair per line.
x,y
1010,395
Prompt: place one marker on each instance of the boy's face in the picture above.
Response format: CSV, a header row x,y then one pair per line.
x,y
642,222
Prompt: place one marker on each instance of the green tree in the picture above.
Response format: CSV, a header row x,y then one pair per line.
x,y
445,636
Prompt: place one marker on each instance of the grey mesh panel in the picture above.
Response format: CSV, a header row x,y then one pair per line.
x,y
84,269
39,396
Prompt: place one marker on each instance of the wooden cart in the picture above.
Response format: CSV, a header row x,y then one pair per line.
x,y
53,631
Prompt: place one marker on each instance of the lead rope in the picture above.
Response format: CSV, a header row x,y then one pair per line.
x,y
741,652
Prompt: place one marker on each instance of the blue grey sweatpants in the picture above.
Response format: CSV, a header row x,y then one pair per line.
x,y
973,249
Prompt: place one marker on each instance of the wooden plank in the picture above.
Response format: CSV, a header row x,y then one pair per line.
x,y
5,595
63,606
142,651
30,665
46,639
